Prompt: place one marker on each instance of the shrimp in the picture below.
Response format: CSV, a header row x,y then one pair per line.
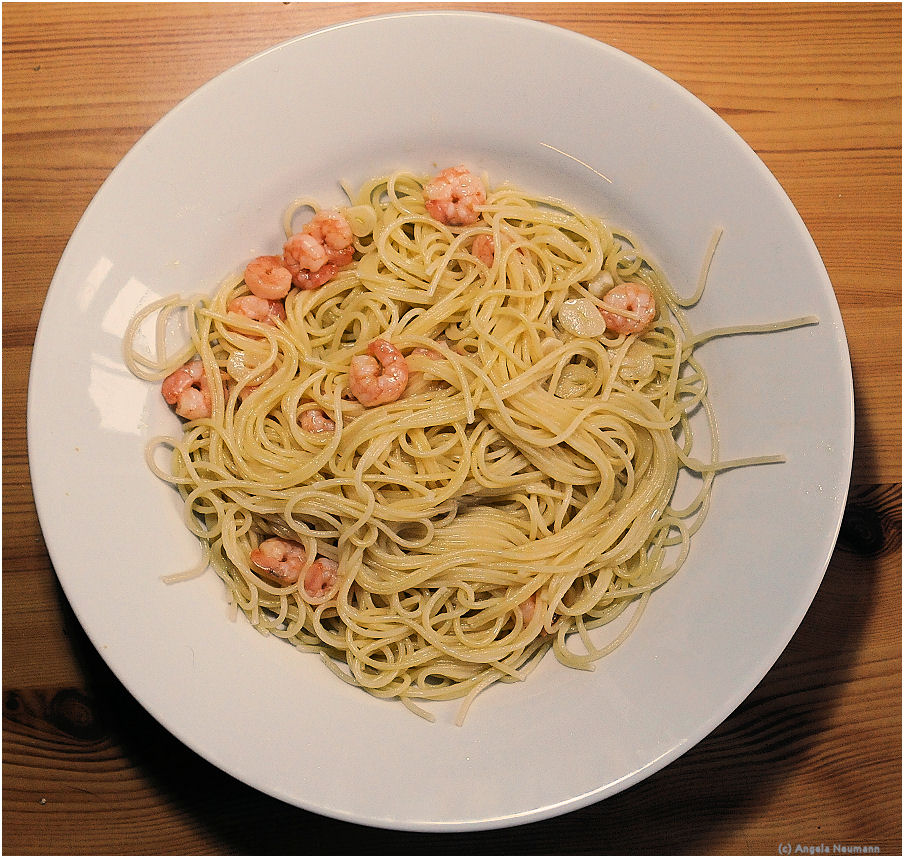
x,y
453,195
484,248
281,562
314,255
528,608
417,381
321,577
257,308
187,388
315,420
630,308
380,376
268,278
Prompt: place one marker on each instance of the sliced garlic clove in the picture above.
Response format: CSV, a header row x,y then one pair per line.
x,y
638,362
579,316
601,284
236,365
575,381
240,364
362,220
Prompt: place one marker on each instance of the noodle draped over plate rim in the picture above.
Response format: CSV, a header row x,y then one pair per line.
x,y
516,497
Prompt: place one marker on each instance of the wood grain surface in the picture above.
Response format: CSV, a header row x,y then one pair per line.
x,y
812,758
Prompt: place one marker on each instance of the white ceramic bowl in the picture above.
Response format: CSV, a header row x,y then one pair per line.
x,y
203,191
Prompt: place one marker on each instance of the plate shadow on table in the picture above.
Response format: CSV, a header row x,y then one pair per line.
x,y
686,808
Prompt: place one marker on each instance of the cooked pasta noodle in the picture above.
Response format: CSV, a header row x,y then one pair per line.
x,y
515,497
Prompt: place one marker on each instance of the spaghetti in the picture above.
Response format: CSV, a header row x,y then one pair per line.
x,y
516,495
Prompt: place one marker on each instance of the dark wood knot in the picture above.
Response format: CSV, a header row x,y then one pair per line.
x,y
861,530
12,702
72,713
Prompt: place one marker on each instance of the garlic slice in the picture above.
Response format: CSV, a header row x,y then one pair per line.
x,y
638,362
574,381
601,284
362,219
240,364
579,316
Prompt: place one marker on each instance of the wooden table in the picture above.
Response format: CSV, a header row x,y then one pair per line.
x,y
813,756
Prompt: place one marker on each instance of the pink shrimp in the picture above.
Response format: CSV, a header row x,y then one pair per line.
x,y
638,306
315,255
417,382
281,562
527,609
484,248
268,278
315,420
187,388
380,376
453,195
321,577
257,308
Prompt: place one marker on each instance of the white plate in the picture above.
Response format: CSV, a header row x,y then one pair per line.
x,y
203,191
